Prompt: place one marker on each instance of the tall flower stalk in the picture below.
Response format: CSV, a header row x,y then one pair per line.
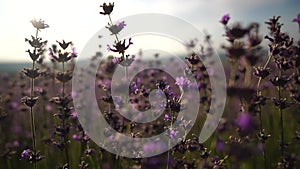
x,y
38,49
281,52
119,47
62,102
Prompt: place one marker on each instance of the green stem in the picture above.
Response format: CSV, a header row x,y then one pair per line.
x,y
111,23
31,110
258,93
281,118
32,118
100,159
265,156
169,142
282,132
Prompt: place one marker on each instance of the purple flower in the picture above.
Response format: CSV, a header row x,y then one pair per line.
x,y
116,28
182,81
74,52
244,121
297,20
48,107
216,158
167,117
172,133
76,137
115,60
169,91
16,143
224,20
17,129
152,147
220,145
74,115
134,88
51,54
26,154
14,105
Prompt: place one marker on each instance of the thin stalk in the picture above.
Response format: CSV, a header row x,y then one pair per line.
x,y
91,159
258,93
100,159
282,132
82,148
118,162
168,156
112,24
32,117
281,119
169,142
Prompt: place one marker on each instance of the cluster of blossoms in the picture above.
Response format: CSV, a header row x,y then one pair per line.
x,y
193,146
244,57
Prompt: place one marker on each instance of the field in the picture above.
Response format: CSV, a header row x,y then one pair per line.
x,y
239,111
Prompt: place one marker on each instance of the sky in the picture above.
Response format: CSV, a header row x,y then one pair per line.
x,y
78,21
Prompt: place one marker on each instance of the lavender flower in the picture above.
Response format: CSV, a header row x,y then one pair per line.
x,y
120,46
116,28
64,45
244,122
297,20
167,117
220,145
74,52
172,133
182,81
76,137
107,9
225,18
26,154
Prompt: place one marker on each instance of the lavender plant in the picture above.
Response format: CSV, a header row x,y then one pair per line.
x,y
38,49
62,130
281,52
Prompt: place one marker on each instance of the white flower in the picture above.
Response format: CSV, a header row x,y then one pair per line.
x,y
39,24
